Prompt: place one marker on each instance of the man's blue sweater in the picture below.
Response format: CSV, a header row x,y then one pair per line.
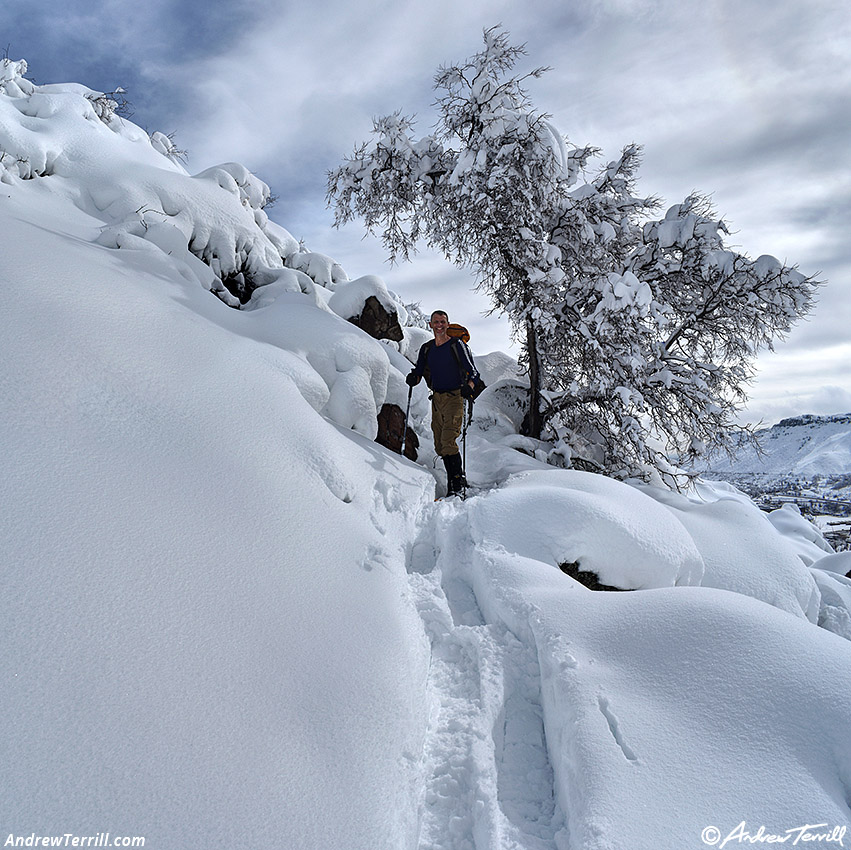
x,y
447,372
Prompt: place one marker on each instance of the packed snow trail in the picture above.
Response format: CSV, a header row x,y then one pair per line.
x,y
487,780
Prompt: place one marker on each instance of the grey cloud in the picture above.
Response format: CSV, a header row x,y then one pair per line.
x,y
833,212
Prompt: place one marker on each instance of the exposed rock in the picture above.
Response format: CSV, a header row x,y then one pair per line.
x,y
241,285
391,422
378,322
590,579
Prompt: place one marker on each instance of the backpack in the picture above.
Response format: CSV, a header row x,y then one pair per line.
x,y
457,332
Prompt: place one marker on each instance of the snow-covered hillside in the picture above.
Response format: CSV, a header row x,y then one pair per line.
x,y
231,619
806,447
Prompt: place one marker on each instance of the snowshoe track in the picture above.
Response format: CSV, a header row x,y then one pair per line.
x,y
487,779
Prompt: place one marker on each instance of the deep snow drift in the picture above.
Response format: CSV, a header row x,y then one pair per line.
x,y
231,619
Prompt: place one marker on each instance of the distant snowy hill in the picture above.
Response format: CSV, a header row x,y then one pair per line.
x,y
805,460
232,619
806,446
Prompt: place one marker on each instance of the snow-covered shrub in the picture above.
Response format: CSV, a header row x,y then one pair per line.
x,y
12,78
416,317
166,145
109,106
21,157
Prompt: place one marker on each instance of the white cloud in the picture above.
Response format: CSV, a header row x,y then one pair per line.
x,y
806,381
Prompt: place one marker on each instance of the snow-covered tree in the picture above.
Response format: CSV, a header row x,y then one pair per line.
x,y
637,336
484,189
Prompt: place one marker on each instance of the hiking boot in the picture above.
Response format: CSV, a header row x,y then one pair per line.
x,y
455,480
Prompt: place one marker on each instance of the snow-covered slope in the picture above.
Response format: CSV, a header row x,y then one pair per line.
x,y
232,620
197,580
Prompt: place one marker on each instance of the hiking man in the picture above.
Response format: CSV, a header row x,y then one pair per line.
x,y
447,365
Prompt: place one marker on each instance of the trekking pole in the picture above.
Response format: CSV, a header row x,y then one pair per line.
x,y
468,412
405,427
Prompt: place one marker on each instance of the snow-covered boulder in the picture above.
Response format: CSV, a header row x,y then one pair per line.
x,y
320,268
367,304
604,526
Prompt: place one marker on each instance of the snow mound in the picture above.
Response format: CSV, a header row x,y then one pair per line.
x,y
597,523
835,601
643,689
623,675
497,366
807,540
354,367
743,552
836,562
211,637
414,339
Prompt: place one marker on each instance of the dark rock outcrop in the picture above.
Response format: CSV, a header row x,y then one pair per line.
x,y
240,285
590,579
391,422
377,321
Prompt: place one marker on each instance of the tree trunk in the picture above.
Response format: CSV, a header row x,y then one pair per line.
x,y
533,422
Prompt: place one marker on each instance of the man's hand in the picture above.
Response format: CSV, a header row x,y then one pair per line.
x,y
412,379
468,390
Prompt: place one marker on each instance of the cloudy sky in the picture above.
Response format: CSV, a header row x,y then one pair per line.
x,y
746,100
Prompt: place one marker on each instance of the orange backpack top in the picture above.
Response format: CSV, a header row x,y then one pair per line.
x,y
458,331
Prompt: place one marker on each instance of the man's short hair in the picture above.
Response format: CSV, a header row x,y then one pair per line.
x,y
439,313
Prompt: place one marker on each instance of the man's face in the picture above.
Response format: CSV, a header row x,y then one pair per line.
x,y
439,323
